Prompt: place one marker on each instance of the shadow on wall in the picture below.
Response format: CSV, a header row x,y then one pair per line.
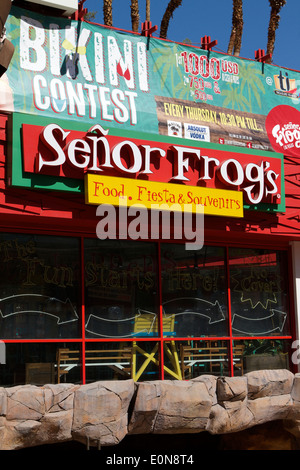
x,y
268,436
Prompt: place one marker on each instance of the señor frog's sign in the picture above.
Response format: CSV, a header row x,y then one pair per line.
x,y
62,154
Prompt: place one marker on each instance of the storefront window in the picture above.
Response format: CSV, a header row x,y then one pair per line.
x,y
259,354
41,363
259,292
194,299
122,360
40,287
121,292
150,310
204,357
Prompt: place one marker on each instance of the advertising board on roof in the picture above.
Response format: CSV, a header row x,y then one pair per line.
x,y
77,70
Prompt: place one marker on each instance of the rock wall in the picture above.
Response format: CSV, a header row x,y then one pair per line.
x,y
103,413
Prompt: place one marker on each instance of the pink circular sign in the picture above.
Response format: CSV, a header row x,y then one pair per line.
x,y
283,129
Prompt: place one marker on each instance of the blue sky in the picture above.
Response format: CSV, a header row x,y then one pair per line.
x,y
197,18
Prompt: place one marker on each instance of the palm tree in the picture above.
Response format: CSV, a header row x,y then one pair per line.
x,y
173,4
235,41
135,16
107,12
276,6
147,10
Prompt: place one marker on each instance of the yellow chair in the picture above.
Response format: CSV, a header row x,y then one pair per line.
x,y
147,322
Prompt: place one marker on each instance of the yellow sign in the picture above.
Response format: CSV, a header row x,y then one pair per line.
x,y
162,196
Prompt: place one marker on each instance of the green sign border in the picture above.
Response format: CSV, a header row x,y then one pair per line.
x,y
18,177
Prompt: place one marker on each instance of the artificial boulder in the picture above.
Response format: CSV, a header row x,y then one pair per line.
x,y
103,413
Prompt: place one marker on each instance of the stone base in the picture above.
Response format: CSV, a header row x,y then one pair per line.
x,y
104,413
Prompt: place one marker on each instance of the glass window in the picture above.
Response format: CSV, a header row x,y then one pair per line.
x,y
259,292
41,363
194,299
121,294
69,363
145,318
122,360
40,288
204,357
259,354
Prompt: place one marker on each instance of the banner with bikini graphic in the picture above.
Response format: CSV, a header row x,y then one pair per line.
x,y
78,70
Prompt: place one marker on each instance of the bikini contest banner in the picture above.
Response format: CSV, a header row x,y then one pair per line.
x,y
78,71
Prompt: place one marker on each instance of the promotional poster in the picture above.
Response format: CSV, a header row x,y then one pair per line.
x,y
77,70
